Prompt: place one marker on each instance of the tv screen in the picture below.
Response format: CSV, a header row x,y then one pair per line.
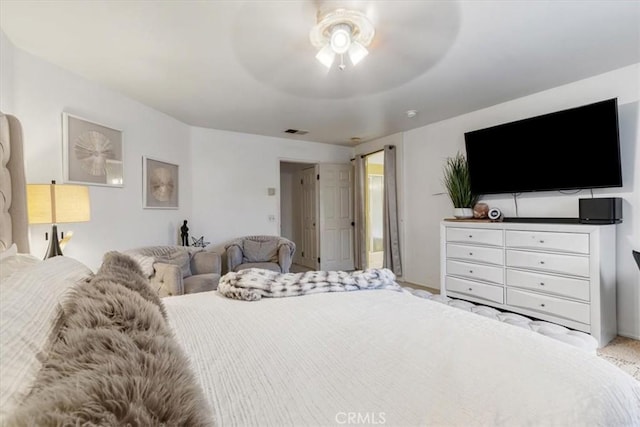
x,y
570,149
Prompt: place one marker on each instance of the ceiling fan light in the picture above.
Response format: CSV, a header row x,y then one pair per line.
x,y
326,56
340,38
357,52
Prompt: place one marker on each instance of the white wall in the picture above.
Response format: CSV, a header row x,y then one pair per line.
x,y
426,148
231,173
6,74
41,92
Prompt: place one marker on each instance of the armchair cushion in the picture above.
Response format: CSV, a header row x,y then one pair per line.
x,y
144,262
178,270
246,251
167,280
257,251
205,262
273,266
200,282
180,258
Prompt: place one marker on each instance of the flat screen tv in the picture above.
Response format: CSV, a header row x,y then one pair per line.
x,y
570,149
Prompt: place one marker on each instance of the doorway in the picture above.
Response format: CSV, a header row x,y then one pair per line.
x,y
316,213
298,212
374,195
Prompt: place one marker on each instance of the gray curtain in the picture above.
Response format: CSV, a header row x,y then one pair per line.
x,y
359,208
391,235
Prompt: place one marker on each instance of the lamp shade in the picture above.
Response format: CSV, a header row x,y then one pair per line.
x,y
55,204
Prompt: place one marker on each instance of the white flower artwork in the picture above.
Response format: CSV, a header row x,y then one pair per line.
x,y
92,149
160,184
93,153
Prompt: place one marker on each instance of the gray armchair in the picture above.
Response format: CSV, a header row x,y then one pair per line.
x,y
178,270
269,252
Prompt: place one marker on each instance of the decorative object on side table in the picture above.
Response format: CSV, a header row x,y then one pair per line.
x,y
92,153
184,234
480,210
495,214
458,185
54,204
199,243
160,184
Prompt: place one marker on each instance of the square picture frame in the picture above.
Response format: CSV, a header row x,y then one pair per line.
x,y
160,184
93,153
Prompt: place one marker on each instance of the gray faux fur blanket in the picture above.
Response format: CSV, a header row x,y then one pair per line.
x,y
253,284
114,360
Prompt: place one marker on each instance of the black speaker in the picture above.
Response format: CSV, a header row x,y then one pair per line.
x,y
602,210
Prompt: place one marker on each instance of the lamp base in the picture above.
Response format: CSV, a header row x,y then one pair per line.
x,y
54,244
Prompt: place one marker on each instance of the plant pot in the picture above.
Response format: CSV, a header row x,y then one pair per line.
x,y
462,213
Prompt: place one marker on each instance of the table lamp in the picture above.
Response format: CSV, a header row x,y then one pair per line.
x,y
55,204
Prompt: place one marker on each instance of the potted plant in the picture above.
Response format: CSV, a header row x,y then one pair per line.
x,y
458,185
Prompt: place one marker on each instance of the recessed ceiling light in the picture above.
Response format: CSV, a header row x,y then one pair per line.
x,y
356,139
412,113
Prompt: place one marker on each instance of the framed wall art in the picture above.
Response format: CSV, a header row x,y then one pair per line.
x,y
93,153
160,181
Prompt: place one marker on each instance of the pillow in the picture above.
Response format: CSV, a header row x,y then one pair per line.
x,y
10,251
144,262
181,258
260,251
12,264
29,313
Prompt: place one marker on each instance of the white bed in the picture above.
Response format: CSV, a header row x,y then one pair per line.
x,y
313,360
363,357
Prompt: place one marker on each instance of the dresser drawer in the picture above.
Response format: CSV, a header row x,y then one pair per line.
x,y
476,253
573,265
563,286
563,242
475,235
476,290
571,310
476,271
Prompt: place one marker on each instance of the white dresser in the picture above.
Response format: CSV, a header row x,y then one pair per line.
x,y
561,273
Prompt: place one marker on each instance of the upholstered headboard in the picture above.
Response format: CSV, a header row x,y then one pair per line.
x,y
13,187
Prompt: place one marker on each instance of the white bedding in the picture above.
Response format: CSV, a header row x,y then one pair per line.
x,y
383,357
29,305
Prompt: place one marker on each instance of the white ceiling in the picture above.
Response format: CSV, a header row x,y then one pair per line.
x,y
248,66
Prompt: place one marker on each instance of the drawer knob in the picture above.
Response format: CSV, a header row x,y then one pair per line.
x,y
471,253
541,262
541,305
470,289
471,271
541,241
471,236
541,283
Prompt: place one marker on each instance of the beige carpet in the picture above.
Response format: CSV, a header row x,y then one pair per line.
x,y
297,268
624,353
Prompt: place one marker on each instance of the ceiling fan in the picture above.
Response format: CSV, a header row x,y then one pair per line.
x,y
295,46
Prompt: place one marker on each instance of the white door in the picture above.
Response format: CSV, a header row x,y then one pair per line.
x,y
336,217
308,248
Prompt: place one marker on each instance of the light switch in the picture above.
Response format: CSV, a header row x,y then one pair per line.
x,y
271,191
272,218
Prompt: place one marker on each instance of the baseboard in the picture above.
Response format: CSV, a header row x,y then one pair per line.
x,y
419,286
629,335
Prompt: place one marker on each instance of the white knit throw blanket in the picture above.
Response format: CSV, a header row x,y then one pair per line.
x,y
254,283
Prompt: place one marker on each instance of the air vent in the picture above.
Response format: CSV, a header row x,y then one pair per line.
x,y
296,131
